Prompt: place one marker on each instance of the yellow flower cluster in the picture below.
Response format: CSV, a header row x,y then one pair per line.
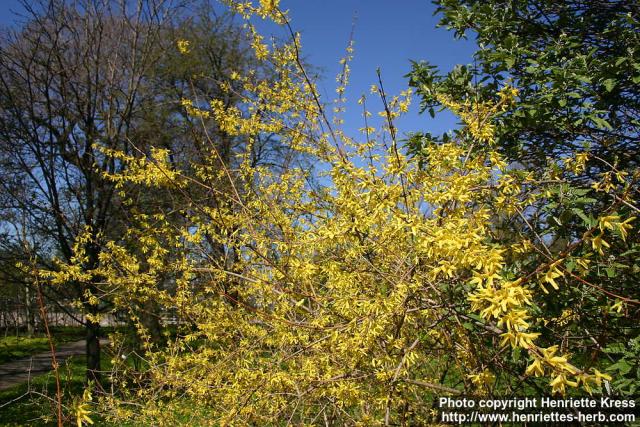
x,y
477,115
183,46
349,298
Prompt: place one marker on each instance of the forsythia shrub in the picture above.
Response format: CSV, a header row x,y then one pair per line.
x,y
356,298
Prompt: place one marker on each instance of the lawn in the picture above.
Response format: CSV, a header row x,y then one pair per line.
x,y
16,347
32,403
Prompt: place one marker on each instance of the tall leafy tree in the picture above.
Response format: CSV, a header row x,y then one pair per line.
x,y
576,64
576,68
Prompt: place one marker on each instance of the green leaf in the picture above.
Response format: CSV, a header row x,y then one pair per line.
x,y
609,84
585,219
509,61
580,191
517,353
601,123
475,317
621,60
622,366
615,348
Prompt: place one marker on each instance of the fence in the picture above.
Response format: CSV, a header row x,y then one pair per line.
x,y
14,317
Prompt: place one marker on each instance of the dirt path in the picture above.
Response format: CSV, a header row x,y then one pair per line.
x,y
19,371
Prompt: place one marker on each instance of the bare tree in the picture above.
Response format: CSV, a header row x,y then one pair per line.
x,y
71,83
82,76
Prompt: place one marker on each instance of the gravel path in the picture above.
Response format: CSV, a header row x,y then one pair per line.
x,y
19,371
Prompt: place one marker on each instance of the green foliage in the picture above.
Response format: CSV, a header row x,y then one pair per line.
x,y
576,65
626,370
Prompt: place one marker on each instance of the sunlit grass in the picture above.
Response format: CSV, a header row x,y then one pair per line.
x,y
16,347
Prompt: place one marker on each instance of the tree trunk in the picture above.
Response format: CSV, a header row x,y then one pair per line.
x,y
28,312
150,318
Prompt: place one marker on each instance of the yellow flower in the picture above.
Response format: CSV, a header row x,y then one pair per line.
x,y
82,409
552,274
599,376
618,307
268,7
535,369
624,226
598,242
483,379
519,339
183,46
560,382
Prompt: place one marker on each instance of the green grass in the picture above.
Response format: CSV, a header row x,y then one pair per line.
x,y
16,347
32,404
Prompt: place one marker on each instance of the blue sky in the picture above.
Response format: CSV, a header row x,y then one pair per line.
x,y
388,34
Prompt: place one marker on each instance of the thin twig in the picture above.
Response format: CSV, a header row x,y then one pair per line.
x,y
54,362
